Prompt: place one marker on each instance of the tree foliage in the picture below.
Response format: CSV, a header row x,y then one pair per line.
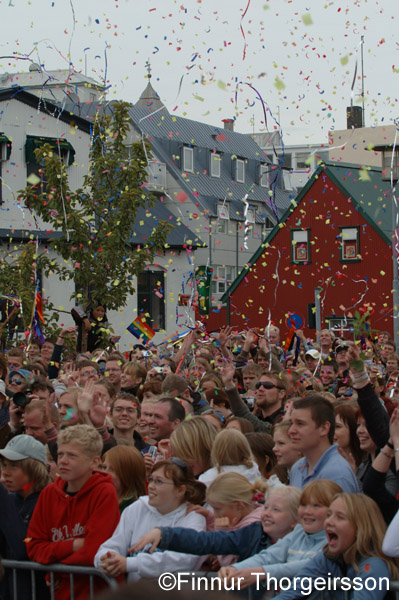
x,y
19,266
96,222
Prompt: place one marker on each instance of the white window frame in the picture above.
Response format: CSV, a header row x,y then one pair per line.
x,y
223,218
299,158
216,164
250,216
188,159
264,171
348,235
240,164
223,276
300,240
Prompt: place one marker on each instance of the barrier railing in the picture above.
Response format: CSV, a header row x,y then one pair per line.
x,y
71,570
92,573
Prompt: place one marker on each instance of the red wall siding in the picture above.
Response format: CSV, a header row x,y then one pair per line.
x,y
275,284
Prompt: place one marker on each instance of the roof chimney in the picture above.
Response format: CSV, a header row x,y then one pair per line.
x,y
228,124
354,117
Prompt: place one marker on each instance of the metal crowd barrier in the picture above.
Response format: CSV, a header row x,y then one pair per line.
x,y
91,573
71,570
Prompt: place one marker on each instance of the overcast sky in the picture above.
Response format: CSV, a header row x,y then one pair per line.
x,y
215,59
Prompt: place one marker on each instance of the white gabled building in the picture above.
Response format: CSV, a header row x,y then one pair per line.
x,y
27,120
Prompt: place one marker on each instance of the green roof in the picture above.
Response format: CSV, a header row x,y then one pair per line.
x,y
362,184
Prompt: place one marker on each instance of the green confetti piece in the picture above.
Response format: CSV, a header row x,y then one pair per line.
x,y
307,19
344,60
279,84
364,175
33,179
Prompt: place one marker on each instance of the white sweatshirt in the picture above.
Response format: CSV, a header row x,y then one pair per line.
x,y
136,520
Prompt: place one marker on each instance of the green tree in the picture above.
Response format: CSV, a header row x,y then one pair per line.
x,y
96,222
19,266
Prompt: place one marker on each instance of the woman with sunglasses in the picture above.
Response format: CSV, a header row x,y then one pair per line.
x,y
171,487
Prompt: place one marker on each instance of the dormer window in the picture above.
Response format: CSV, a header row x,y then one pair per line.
x,y
223,218
188,159
216,161
240,170
264,171
250,215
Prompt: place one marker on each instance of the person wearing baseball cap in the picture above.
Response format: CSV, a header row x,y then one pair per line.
x,y
312,359
24,474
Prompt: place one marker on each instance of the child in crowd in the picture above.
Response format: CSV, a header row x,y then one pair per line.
x,y
231,497
171,486
279,517
77,512
23,476
355,530
231,452
286,557
126,466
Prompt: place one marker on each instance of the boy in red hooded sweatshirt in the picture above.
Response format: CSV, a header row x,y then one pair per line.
x,y
76,513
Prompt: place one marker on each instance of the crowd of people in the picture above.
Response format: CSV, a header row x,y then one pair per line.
x,y
225,452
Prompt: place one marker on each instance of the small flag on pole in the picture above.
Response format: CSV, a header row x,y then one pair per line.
x,y
141,330
38,318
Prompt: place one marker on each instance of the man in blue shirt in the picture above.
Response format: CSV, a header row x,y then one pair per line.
x,y
312,432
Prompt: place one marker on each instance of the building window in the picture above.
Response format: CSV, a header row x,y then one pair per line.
x,y
216,161
240,170
156,174
36,178
349,244
34,171
151,298
222,278
223,218
251,215
188,159
5,153
300,246
303,161
285,160
264,171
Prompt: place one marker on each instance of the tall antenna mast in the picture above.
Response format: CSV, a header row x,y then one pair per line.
x,y
361,55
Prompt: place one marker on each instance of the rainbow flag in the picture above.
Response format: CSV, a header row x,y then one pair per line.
x,y
38,318
141,330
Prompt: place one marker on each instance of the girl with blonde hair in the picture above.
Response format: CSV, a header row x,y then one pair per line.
x,y
355,530
286,557
231,452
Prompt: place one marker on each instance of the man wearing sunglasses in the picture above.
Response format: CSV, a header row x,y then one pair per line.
x,y
271,391
269,396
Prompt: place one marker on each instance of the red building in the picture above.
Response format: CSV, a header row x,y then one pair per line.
x,y
336,236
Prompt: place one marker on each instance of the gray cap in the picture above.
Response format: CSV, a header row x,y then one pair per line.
x,y
24,446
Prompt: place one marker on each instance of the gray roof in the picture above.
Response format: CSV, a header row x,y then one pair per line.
x,y
149,99
179,235
168,133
